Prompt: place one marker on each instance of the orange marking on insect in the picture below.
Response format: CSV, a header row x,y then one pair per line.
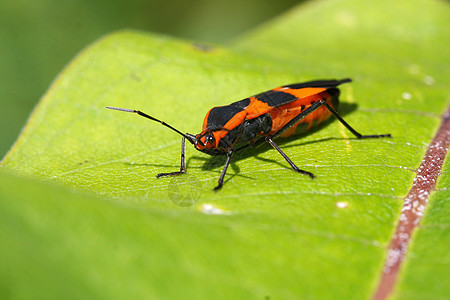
x,y
257,108
301,93
283,114
279,112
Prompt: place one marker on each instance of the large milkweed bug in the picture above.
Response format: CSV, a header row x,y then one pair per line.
x,y
280,112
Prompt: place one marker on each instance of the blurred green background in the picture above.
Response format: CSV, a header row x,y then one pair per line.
x,y
39,37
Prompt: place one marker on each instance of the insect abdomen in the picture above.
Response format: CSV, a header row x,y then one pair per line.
x,y
283,114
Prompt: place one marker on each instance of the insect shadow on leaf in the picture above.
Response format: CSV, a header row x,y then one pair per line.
x,y
280,112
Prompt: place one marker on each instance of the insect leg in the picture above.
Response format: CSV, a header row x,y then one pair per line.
x,y
183,164
222,175
317,105
357,134
296,169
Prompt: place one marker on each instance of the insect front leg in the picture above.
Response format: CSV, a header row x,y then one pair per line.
x,y
296,169
183,164
224,171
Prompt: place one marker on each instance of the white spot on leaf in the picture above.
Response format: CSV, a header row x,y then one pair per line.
x,y
341,204
429,80
212,210
406,96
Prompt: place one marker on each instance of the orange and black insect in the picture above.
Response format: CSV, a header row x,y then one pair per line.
x,y
280,112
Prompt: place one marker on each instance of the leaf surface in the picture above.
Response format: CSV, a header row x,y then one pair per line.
x,y
269,231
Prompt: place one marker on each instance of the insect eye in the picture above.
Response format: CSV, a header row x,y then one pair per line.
x,y
209,139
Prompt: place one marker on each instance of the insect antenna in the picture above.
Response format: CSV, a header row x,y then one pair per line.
x,y
188,136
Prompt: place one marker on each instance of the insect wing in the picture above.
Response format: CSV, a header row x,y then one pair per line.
x,y
264,102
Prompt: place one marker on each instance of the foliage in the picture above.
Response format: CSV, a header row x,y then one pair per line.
x,y
269,231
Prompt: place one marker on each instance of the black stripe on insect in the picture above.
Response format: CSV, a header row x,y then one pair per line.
x,y
280,112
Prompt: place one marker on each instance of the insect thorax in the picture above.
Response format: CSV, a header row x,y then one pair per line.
x,y
247,132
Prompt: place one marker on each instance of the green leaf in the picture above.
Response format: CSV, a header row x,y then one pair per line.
x,y
425,275
269,231
33,54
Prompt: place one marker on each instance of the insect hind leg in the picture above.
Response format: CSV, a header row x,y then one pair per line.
x,y
316,106
357,134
